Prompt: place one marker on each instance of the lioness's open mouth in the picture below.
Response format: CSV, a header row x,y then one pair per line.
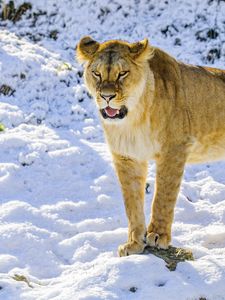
x,y
112,113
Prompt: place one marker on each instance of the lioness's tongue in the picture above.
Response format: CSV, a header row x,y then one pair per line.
x,y
111,112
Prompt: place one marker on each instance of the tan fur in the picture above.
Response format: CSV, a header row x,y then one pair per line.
x,y
176,114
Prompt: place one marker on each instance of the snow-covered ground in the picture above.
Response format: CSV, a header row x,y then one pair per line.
x,y
62,215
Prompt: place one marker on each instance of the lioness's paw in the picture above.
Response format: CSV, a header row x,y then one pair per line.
x,y
131,248
158,240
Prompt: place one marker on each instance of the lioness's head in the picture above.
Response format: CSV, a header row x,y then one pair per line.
x,y
115,74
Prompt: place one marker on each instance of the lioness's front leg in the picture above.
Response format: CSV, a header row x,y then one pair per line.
x,y
169,171
132,176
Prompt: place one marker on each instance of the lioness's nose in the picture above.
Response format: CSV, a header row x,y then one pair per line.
x,y
108,97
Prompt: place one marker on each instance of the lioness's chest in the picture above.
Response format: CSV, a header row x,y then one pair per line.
x,y
135,143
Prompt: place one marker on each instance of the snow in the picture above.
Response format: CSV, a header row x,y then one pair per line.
x,y
62,216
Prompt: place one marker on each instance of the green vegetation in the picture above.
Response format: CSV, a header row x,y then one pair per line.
x,y
2,127
64,67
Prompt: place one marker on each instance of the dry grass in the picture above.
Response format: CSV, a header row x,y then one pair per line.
x,y
6,90
10,12
18,277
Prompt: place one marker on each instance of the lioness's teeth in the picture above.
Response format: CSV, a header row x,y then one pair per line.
x,y
117,112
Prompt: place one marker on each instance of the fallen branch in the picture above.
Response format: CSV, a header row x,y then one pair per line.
x,y
172,256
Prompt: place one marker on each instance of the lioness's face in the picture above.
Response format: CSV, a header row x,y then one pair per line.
x,y
113,75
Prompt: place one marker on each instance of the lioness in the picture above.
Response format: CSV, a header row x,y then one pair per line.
x,y
153,107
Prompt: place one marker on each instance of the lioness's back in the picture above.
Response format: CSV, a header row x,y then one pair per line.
x,y
198,91
205,96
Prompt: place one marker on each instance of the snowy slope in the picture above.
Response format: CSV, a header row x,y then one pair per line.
x,y
62,215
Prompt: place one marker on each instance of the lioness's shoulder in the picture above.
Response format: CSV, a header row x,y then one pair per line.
x,y
164,65
168,68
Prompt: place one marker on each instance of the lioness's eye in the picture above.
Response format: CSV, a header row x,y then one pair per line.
x,y
123,74
96,74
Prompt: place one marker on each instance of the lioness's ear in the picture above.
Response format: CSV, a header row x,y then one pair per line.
x,y
140,50
86,48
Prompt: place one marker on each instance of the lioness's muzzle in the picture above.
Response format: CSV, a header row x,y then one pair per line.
x,y
120,113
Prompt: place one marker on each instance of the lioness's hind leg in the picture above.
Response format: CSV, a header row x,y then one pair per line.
x,y
169,171
132,176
